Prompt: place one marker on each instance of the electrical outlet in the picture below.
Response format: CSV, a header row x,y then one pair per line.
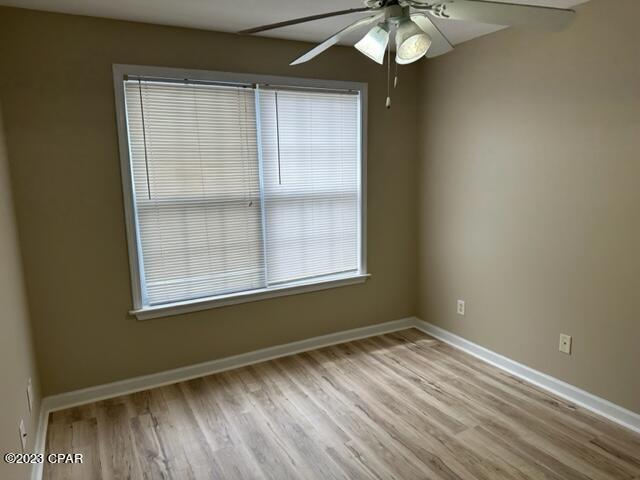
x,y
23,436
30,395
565,343
460,307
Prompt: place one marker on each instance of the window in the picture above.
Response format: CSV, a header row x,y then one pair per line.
x,y
238,187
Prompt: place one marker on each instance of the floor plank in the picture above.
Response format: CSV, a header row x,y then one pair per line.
x,y
397,406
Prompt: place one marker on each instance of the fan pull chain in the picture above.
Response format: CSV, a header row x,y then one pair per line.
x,y
388,104
395,79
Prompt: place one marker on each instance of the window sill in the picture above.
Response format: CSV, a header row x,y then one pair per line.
x,y
177,308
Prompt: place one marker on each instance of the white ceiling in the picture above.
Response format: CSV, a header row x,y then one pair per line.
x,y
234,15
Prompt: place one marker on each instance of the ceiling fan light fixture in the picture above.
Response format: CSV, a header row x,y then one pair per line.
x,y
412,43
374,43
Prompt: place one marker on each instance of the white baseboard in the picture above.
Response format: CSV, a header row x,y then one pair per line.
x,y
605,408
145,382
136,384
573,394
40,439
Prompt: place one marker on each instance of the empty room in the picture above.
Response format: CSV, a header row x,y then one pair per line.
x,y
303,239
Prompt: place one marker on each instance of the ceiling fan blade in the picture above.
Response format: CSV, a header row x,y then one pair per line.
x,y
497,13
303,20
332,40
439,43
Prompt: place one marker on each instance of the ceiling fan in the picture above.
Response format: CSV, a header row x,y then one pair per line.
x,y
416,35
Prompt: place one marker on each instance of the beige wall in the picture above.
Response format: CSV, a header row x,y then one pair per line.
x,y
56,86
530,197
17,361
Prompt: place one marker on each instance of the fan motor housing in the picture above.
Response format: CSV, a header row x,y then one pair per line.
x,y
395,14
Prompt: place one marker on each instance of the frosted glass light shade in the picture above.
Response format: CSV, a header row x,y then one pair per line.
x,y
411,43
374,43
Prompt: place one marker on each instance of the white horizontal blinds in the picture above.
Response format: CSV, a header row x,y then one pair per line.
x,y
194,161
311,168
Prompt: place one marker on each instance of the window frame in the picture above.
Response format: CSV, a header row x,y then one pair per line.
x,y
144,312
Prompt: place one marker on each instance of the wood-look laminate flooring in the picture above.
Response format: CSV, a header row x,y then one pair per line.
x,y
397,406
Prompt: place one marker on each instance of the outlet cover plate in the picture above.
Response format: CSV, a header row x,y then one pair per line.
x,y
460,307
565,343
23,436
30,395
